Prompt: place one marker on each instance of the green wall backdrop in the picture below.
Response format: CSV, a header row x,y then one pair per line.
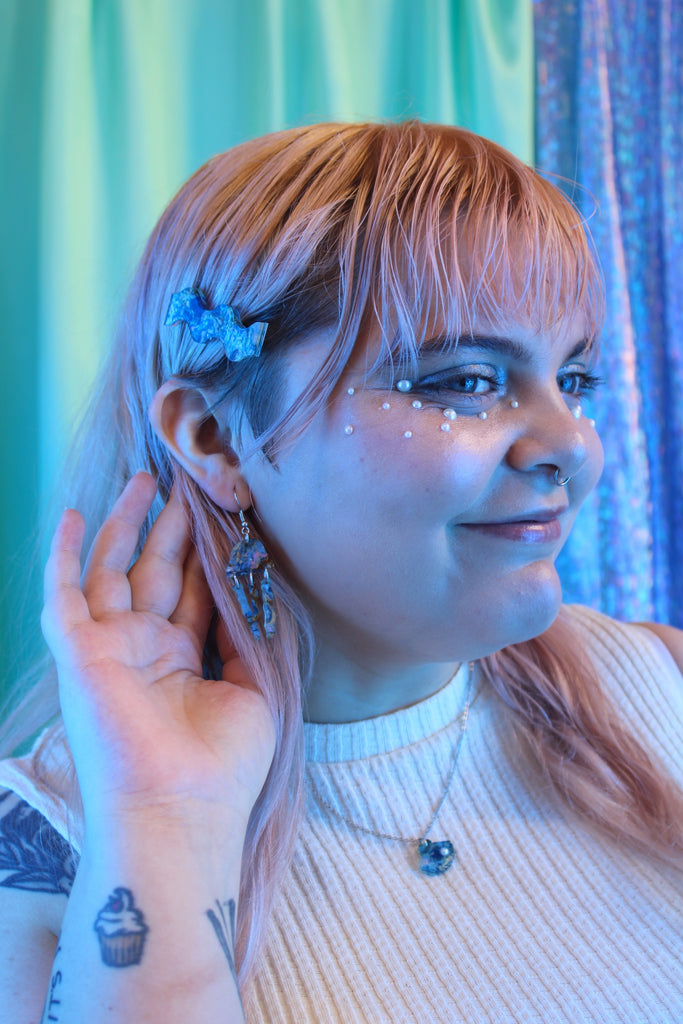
x,y
106,106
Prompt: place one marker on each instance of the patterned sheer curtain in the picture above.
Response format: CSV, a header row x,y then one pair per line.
x,y
610,116
106,106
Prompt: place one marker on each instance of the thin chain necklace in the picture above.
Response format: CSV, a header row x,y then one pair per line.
x,y
435,858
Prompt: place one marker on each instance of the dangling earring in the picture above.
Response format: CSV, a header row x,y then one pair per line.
x,y
255,600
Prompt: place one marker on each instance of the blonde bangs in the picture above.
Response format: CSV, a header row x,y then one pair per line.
x,y
464,235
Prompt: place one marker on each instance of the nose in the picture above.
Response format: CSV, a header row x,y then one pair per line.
x,y
549,437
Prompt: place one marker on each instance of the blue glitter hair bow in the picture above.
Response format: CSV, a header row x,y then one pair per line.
x,y
219,324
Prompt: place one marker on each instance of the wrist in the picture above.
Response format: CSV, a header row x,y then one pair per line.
x,y
178,844
149,904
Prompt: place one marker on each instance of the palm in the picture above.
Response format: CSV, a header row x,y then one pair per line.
x,y
144,726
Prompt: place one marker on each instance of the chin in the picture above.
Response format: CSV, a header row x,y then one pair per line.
x,y
534,603
526,603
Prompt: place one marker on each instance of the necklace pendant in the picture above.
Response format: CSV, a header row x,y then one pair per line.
x,y
436,858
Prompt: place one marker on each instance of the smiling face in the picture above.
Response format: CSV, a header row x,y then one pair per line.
x,y
419,525
422,523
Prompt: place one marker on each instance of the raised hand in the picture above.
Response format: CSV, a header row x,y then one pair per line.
x,y
148,733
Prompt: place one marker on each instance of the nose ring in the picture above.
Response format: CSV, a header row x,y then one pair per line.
x,y
560,481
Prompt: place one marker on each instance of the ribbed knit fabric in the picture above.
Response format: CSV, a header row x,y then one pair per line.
x,y
540,919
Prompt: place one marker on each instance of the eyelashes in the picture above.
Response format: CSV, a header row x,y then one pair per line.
x,y
472,385
466,390
587,381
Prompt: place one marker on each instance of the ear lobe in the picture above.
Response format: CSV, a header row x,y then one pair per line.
x,y
182,420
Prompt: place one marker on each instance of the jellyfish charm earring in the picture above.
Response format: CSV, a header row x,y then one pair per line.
x,y
249,559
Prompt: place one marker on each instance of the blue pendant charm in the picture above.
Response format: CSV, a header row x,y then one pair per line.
x,y
436,858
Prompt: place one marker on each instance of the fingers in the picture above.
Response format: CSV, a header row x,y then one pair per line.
x,y
65,606
195,604
233,667
157,580
167,579
105,583
226,648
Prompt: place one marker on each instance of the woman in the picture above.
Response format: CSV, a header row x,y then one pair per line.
x,y
365,348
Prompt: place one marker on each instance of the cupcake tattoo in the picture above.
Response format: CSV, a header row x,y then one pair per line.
x,y
121,929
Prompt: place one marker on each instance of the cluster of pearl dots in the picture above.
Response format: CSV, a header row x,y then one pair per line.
x,y
449,414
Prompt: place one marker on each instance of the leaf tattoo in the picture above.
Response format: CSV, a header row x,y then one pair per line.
x,y
224,927
37,858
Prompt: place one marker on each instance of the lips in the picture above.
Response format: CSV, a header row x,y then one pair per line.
x,y
537,526
539,515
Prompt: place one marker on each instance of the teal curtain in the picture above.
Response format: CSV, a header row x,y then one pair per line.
x,y
106,106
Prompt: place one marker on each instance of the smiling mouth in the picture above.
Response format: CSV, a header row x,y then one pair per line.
x,y
540,527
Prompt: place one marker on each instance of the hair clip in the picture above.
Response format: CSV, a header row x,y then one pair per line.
x,y
219,324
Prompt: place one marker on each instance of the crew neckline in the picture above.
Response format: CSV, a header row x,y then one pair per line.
x,y
352,741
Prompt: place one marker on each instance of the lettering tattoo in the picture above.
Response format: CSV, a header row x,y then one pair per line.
x,y
121,930
224,927
33,853
53,1003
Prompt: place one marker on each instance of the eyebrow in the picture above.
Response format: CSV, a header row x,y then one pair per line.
x,y
501,346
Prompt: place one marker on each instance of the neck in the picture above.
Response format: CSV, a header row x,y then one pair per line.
x,y
345,689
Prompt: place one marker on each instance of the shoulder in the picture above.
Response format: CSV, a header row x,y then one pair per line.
x,y
639,670
33,855
630,648
671,637
35,819
37,870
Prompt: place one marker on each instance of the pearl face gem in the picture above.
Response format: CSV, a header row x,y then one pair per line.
x,y
576,413
408,433
348,429
350,391
514,404
404,385
445,427
481,415
417,404
385,405
450,414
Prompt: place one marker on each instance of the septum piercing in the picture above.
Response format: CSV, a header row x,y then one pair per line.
x,y
560,481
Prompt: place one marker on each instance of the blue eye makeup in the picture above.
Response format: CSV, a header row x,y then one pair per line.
x,y
579,382
465,386
477,384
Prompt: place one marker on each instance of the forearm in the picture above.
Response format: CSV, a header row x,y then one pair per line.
x,y
168,952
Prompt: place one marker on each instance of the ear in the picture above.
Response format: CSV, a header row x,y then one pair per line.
x,y
182,419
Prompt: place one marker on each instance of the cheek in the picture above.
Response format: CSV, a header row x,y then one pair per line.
x,y
390,440
595,461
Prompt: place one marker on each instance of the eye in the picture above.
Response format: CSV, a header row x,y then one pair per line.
x,y
578,382
466,382
469,384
